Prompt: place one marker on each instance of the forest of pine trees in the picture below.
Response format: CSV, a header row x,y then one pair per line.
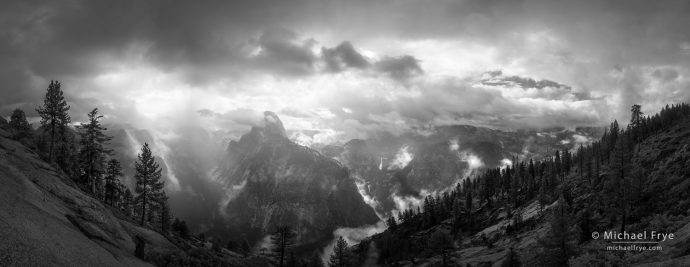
x,y
532,179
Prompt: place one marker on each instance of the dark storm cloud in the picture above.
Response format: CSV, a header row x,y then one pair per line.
x,y
207,113
665,75
497,78
343,56
576,43
73,40
546,89
400,68
282,51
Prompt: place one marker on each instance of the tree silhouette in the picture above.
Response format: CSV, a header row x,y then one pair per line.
x,y
441,242
636,121
147,174
341,254
112,173
93,151
557,246
283,239
315,260
165,216
21,126
619,183
53,113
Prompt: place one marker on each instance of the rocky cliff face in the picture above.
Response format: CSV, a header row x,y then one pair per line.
x,y
272,181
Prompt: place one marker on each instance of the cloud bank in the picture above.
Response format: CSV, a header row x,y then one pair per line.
x,y
353,69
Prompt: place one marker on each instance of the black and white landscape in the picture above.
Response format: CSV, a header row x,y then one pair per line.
x,y
345,133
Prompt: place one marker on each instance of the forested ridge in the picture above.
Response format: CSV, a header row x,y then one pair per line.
x,y
633,179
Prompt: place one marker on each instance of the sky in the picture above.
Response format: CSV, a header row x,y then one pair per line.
x,y
347,69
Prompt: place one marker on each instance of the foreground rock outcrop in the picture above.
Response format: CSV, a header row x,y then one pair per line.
x,y
46,221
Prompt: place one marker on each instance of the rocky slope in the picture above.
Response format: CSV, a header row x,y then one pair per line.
x,y
271,181
46,221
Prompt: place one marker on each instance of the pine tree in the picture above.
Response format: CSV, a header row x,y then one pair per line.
x,y
542,193
392,224
468,200
127,201
441,242
514,187
93,151
532,172
620,174
558,244
54,114
315,260
112,173
20,125
165,216
557,164
584,221
636,121
341,254
283,239
581,155
147,174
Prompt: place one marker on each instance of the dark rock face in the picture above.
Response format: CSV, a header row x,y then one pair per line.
x,y
437,167
272,181
369,170
273,126
331,150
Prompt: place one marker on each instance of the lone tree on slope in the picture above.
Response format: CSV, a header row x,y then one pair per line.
x,y
283,239
20,125
112,172
54,113
93,151
341,254
147,174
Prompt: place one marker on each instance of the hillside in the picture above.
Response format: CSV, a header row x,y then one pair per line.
x,y
586,199
45,220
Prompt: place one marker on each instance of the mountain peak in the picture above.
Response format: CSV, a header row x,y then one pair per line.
x,y
273,126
